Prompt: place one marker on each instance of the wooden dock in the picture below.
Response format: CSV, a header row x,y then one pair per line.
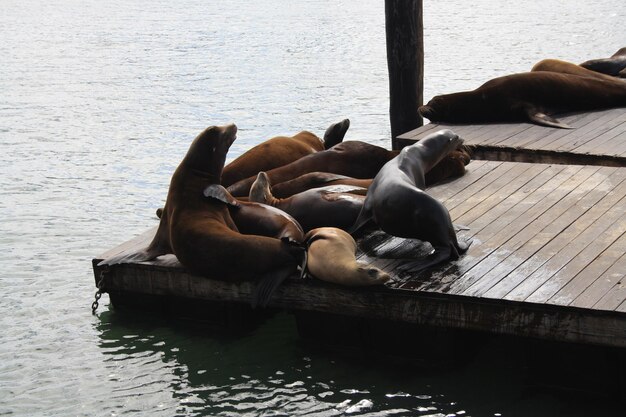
x,y
598,138
547,216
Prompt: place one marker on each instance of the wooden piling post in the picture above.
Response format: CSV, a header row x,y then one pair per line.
x,y
405,61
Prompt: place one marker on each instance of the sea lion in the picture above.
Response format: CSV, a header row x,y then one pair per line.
x,y
203,235
331,258
398,205
254,218
315,180
526,96
280,151
615,65
564,67
332,206
353,158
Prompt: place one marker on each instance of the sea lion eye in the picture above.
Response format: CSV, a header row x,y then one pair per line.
x,y
372,272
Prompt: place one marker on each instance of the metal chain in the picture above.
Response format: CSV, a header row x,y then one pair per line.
x,y
100,285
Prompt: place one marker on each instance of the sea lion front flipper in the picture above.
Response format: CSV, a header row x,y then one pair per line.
x,y
543,119
458,227
463,245
220,193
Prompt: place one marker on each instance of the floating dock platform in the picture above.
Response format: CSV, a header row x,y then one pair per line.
x,y
548,258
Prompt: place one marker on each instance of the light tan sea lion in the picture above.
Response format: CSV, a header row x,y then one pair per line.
x,y
564,67
331,258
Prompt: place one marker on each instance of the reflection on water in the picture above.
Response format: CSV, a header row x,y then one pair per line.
x,y
186,369
268,372
98,103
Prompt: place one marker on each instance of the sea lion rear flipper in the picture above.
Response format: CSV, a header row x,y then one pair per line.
x,y
132,257
220,193
335,133
544,120
458,227
440,255
267,285
364,217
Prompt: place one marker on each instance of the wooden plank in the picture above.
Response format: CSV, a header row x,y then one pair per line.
x,y
501,223
543,141
616,295
503,186
519,225
474,173
476,187
605,239
592,278
525,247
612,137
605,122
507,135
568,242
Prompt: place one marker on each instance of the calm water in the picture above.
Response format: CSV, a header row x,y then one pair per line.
x,y
98,103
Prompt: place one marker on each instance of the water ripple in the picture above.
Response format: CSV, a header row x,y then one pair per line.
x,y
99,102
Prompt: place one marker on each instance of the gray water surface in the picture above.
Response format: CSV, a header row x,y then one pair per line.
x,y
99,102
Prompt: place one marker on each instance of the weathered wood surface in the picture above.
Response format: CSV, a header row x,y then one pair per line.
x,y
405,62
548,260
598,138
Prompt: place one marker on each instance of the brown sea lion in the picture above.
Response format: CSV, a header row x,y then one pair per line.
x,y
398,205
526,96
315,180
253,218
332,206
201,232
353,158
564,67
615,65
280,151
331,258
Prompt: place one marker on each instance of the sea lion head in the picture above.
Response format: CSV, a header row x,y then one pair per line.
x,y
369,275
207,154
457,107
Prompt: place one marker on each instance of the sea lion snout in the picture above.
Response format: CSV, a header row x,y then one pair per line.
x,y
427,112
229,132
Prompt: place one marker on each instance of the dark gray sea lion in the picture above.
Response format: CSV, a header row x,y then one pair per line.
x,y
201,232
332,206
526,97
615,65
281,150
331,258
398,205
